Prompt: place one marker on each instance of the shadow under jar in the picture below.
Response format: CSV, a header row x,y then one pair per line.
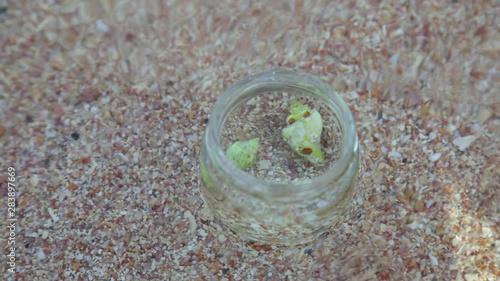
x,y
262,207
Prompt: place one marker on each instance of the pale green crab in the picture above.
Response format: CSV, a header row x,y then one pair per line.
x,y
303,132
243,153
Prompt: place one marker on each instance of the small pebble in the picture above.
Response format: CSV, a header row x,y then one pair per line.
x,y
41,255
383,227
395,154
484,115
75,135
472,277
264,164
202,232
45,234
53,216
101,26
463,142
222,238
192,222
434,260
94,109
385,16
34,180
434,157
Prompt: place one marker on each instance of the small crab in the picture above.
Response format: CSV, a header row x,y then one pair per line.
x,y
303,132
243,153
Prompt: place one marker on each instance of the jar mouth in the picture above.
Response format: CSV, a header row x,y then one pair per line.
x,y
308,85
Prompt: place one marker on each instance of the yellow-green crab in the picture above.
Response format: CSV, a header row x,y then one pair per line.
x,y
303,132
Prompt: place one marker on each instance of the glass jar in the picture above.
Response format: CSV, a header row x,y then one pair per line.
x,y
272,212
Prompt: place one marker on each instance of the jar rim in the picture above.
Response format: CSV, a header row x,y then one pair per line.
x,y
310,85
